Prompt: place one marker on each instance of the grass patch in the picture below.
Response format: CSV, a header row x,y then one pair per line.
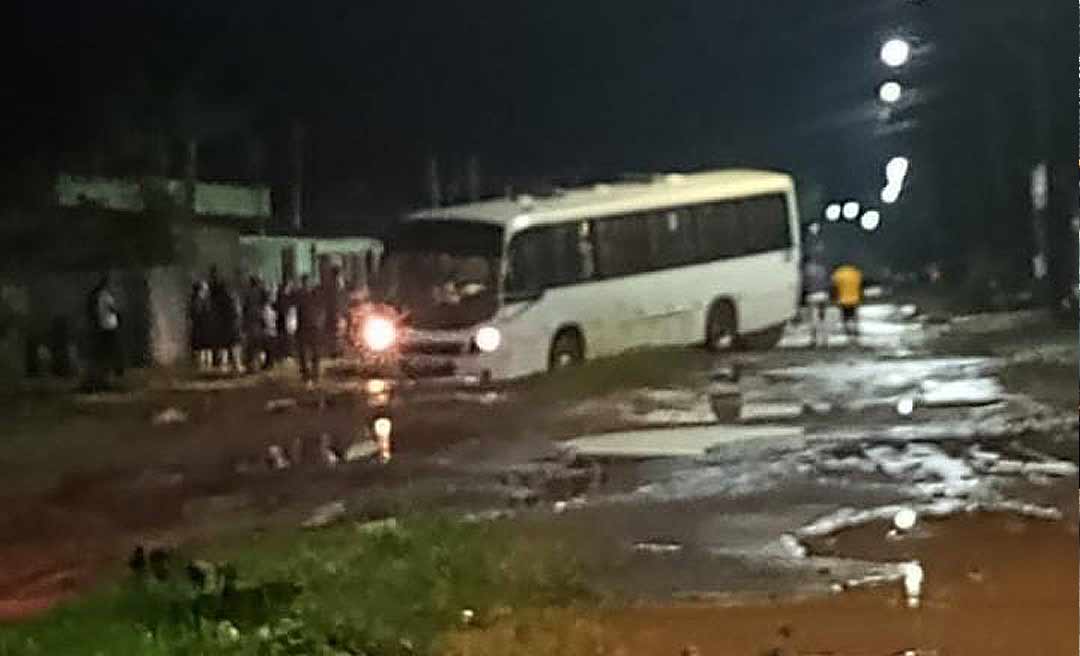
x,y
387,592
647,367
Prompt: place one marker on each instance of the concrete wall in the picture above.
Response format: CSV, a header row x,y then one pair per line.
x,y
168,290
214,246
43,303
14,304
153,303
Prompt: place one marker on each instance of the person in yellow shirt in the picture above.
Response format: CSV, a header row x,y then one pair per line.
x,y
848,291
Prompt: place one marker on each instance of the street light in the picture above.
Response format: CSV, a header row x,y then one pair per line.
x,y
891,193
890,92
870,220
851,210
896,170
895,53
832,212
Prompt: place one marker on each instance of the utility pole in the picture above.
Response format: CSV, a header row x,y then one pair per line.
x,y
1040,194
256,159
162,160
473,175
1034,60
434,185
299,136
191,173
257,169
98,154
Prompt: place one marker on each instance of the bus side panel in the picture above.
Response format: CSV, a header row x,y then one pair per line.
x,y
522,353
673,303
767,289
598,308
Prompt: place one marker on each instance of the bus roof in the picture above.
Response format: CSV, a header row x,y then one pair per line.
x,y
615,198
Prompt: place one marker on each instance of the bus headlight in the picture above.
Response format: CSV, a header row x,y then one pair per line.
x,y
379,333
488,339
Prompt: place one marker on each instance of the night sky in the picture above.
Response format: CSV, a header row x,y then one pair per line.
x,y
539,90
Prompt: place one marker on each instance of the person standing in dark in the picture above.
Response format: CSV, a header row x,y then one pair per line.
x,y
331,291
286,310
817,287
268,319
311,325
847,282
254,333
103,315
225,320
202,328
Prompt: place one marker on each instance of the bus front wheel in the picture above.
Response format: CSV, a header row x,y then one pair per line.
x,y
720,327
567,350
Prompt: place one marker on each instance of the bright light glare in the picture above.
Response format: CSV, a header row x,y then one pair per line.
x,y
913,580
904,519
895,52
897,169
890,194
376,386
870,220
379,333
832,212
905,406
851,210
382,428
488,339
890,92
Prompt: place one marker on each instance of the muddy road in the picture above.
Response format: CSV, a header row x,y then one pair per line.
x,y
678,474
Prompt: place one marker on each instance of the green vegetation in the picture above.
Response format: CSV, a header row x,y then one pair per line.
x,y
383,590
651,367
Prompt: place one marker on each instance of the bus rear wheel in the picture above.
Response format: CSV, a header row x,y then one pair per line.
x,y
566,351
720,327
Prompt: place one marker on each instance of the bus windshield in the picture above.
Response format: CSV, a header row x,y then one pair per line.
x,y
443,274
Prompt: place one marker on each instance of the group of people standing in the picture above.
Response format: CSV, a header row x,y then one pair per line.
x,y
257,326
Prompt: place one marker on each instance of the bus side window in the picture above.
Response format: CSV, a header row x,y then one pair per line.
x,y
622,245
570,255
521,270
673,238
585,253
765,223
720,232
549,257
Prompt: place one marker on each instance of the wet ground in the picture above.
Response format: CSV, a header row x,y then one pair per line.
x,y
679,474
992,584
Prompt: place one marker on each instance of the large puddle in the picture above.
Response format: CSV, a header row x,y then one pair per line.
x,y
993,584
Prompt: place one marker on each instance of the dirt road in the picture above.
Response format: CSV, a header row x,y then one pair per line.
x,y
942,418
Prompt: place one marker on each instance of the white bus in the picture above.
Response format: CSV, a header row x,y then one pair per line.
x,y
506,288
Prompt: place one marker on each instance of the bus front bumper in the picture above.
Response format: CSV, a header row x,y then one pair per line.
x,y
466,369
412,369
